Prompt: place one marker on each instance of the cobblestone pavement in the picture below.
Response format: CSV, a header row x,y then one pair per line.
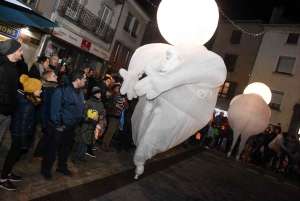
x,y
174,175
34,186
207,176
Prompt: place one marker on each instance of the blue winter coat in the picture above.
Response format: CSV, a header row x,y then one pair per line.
x,y
67,106
23,119
48,90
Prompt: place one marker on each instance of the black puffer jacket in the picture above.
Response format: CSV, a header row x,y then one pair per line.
x,y
23,120
8,85
104,88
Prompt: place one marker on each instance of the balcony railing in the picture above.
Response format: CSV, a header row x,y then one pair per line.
x,y
119,1
87,19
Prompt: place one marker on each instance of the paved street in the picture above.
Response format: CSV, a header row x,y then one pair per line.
x,y
207,176
178,174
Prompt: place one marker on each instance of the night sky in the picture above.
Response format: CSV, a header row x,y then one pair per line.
x,y
245,9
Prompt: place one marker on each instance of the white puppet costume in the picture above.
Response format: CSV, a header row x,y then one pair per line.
x,y
177,98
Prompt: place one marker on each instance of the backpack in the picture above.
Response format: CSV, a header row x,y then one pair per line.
x,y
111,103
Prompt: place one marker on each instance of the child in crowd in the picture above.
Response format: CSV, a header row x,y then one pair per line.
x,y
210,133
21,126
216,138
93,112
116,103
49,82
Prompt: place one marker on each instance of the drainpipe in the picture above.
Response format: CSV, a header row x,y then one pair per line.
x,y
118,22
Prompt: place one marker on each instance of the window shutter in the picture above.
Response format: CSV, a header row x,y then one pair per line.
x,y
277,97
286,64
293,38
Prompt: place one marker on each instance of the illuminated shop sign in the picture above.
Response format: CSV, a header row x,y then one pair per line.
x,y
9,31
78,41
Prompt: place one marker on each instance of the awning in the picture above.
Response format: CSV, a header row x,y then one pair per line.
x,y
14,11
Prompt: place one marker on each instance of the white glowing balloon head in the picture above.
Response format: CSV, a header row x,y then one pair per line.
x,y
187,21
260,89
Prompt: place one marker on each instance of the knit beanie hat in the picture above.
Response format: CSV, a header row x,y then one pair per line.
x,y
30,84
92,113
96,90
116,85
9,46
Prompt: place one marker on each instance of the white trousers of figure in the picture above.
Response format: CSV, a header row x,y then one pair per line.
x,y
162,123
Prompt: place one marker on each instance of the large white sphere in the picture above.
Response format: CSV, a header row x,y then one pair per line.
x,y
260,89
187,21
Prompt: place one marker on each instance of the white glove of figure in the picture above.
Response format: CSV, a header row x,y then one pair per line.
x,y
130,78
153,85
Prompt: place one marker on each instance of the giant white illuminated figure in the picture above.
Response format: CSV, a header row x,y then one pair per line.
x,y
249,113
178,96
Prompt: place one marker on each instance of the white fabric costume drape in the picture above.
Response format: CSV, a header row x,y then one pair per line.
x,y
175,104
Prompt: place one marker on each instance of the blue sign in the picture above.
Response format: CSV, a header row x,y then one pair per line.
x,y
9,31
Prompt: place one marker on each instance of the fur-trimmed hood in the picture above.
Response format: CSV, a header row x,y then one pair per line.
x,y
49,84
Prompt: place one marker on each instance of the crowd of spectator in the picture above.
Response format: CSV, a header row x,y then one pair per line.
x,y
62,99
272,149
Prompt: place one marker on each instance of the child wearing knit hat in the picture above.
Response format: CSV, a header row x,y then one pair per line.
x,y
21,126
49,82
93,114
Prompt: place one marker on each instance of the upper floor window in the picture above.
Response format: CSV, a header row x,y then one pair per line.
x,y
132,25
227,90
236,37
293,38
230,60
276,101
30,3
285,64
106,15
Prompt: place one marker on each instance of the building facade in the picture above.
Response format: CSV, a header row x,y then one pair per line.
x,y
102,34
238,51
27,34
128,36
278,66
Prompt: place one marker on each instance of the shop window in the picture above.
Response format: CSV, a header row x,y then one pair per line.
x,y
127,59
132,25
285,64
116,52
230,61
227,90
293,39
236,37
276,101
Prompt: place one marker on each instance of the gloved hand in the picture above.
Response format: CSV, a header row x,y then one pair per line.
x,y
153,85
130,78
